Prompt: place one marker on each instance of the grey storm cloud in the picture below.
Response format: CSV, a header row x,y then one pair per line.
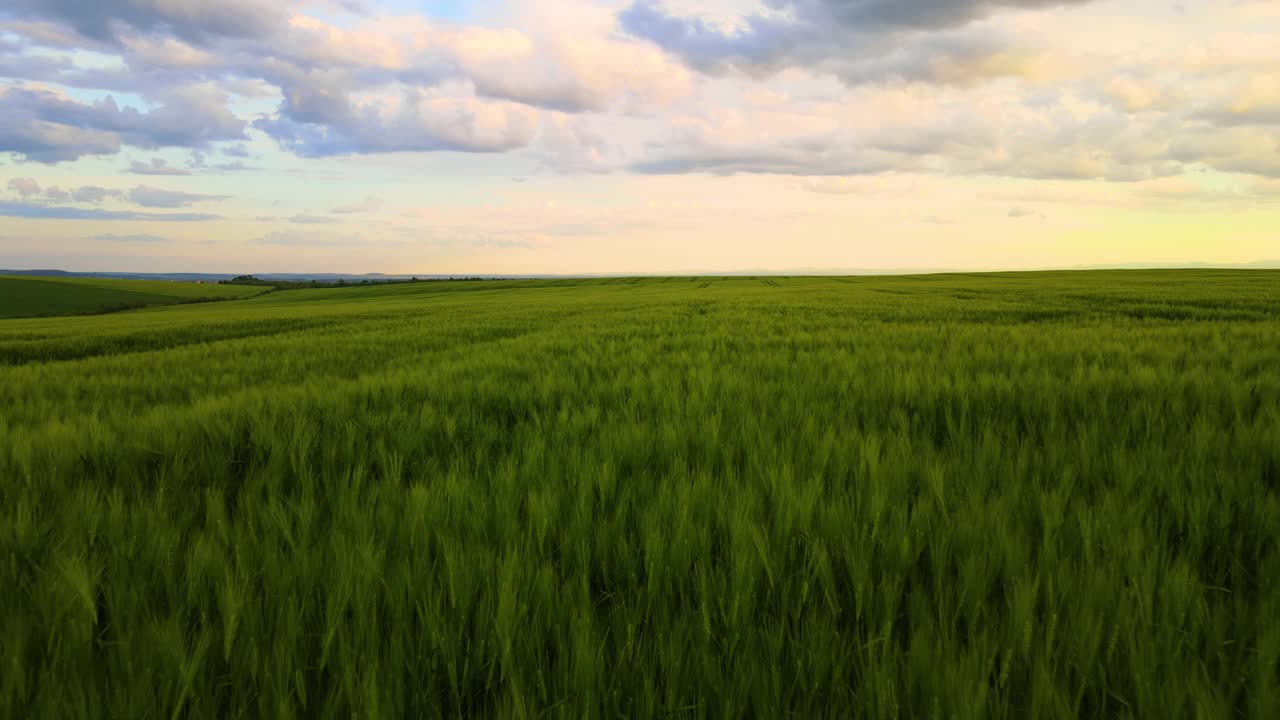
x,y
814,32
192,20
55,212
48,127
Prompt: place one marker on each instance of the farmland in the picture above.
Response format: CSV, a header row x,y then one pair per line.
x,y
970,496
49,296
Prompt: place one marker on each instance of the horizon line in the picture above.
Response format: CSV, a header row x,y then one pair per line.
x,y
804,272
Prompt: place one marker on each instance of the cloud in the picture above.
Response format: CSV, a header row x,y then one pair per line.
x,y
775,160
1254,100
226,167
573,143
313,220
1252,150
844,186
199,161
370,204
51,212
158,198
585,73
51,127
813,88
10,46
306,239
32,66
107,21
26,131
814,33
1200,190
1010,132
319,65
351,83
94,194
142,195
57,194
28,187
414,122
110,237
1265,189
1139,94
157,166
963,57
1189,190
895,14
24,186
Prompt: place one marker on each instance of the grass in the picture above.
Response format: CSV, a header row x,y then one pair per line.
x,y
1005,496
23,297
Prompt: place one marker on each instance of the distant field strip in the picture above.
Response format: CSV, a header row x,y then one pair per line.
x,y
42,297
1006,496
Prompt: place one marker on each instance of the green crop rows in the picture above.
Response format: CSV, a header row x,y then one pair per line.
x,y
47,296
1007,496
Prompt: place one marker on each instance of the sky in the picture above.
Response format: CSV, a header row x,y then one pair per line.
x,y
637,136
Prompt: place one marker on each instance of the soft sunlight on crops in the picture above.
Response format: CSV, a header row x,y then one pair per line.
x,y
22,297
1049,495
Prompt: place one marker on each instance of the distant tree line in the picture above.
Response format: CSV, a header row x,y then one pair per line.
x,y
340,282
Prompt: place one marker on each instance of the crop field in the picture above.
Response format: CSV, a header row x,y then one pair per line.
x,y
963,496
22,297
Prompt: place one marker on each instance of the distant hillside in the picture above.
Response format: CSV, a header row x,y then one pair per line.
x,y
219,277
51,295
38,273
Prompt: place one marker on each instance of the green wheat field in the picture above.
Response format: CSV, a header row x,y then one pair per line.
x,y
1042,495
44,296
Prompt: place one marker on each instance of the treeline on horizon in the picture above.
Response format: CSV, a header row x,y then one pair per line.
x,y
340,282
